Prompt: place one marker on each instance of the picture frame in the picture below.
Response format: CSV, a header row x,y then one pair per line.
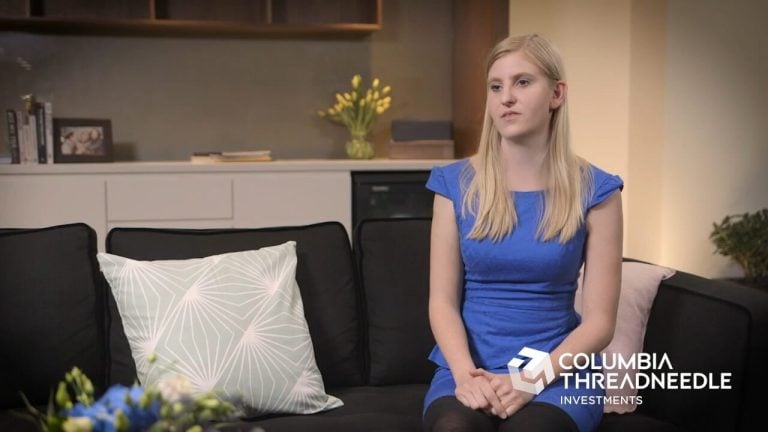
x,y
78,140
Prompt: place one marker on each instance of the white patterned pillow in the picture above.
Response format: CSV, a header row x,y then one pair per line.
x,y
232,323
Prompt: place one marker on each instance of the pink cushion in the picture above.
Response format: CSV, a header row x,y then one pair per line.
x,y
639,284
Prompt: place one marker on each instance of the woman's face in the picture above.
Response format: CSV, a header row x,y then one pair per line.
x,y
520,98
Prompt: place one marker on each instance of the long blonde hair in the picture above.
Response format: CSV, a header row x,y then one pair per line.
x,y
569,180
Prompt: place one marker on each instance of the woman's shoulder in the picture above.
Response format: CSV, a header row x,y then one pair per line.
x,y
600,175
455,167
603,183
446,179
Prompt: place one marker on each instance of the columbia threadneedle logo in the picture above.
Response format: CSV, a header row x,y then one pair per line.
x,y
538,363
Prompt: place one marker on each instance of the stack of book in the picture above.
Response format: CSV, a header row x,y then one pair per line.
x,y
30,132
239,156
415,139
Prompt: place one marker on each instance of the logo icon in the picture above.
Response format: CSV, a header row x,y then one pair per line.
x,y
538,362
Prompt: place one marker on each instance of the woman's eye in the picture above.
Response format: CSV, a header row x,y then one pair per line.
x,y
495,87
523,82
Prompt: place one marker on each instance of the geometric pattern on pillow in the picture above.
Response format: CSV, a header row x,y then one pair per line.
x,y
639,285
232,323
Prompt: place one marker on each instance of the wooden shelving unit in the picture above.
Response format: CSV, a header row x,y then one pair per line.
x,y
193,18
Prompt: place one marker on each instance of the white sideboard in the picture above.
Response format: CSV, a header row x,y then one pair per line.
x,y
185,195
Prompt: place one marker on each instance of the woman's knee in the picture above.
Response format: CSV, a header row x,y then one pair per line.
x,y
539,417
447,414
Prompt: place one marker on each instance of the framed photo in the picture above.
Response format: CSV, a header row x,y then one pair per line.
x,y
82,140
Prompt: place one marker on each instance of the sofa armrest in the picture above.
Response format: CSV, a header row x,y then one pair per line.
x,y
709,326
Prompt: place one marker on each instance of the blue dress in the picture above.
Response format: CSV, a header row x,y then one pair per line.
x,y
519,292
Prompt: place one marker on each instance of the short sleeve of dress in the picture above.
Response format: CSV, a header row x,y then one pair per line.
x,y
437,182
605,185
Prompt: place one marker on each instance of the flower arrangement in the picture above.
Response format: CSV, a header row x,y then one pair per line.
x,y
358,110
169,406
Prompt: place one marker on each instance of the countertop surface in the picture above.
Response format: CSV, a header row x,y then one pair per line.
x,y
306,165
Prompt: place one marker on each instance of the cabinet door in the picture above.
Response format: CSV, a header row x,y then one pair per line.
x,y
46,200
169,199
292,198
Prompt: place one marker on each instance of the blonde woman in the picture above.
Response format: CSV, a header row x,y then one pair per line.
x,y
512,226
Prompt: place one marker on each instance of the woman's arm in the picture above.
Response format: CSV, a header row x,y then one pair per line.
x,y
445,285
601,286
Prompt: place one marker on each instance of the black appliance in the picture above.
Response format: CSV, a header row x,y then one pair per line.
x,y
390,194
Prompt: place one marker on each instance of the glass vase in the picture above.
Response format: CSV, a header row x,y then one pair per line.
x,y
358,146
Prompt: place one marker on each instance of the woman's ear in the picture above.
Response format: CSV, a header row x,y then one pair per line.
x,y
558,95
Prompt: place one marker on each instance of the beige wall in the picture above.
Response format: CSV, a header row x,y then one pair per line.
x,y
669,94
594,39
646,129
716,140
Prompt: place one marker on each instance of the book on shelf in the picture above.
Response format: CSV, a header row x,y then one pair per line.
x,y
13,135
42,151
28,144
30,133
48,113
237,156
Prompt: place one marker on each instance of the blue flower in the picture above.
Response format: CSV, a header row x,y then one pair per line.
x,y
103,412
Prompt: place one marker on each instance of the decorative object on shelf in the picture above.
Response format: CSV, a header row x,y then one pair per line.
x,y
744,238
421,139
82,140
169,406
236,156
358,110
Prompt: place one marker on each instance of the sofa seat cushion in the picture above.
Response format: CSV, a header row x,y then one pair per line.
x,y
633,422
385,408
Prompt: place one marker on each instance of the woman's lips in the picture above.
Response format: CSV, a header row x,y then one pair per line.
x,y
509,114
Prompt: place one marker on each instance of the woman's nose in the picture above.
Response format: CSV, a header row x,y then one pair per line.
x,y
508,96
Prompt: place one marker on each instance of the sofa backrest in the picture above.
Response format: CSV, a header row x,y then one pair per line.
x,y
325,275
694,324
393,259
51,311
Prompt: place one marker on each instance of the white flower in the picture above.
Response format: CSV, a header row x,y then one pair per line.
x,y
77,424
174,387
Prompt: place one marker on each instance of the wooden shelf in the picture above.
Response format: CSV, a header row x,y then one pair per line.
x,y
195,18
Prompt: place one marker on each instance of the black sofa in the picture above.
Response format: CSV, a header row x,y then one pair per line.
x,y
366,308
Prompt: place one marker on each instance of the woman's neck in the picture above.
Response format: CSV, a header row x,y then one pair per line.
x,y
524,165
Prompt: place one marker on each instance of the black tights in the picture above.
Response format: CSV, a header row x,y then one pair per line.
x,y
447,414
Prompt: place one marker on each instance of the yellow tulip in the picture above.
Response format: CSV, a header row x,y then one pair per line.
x,y
354,96
347,96
375,82
386,90
362,103
332,111
369,97
356,81
376,95
380,110
339,98
321,113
